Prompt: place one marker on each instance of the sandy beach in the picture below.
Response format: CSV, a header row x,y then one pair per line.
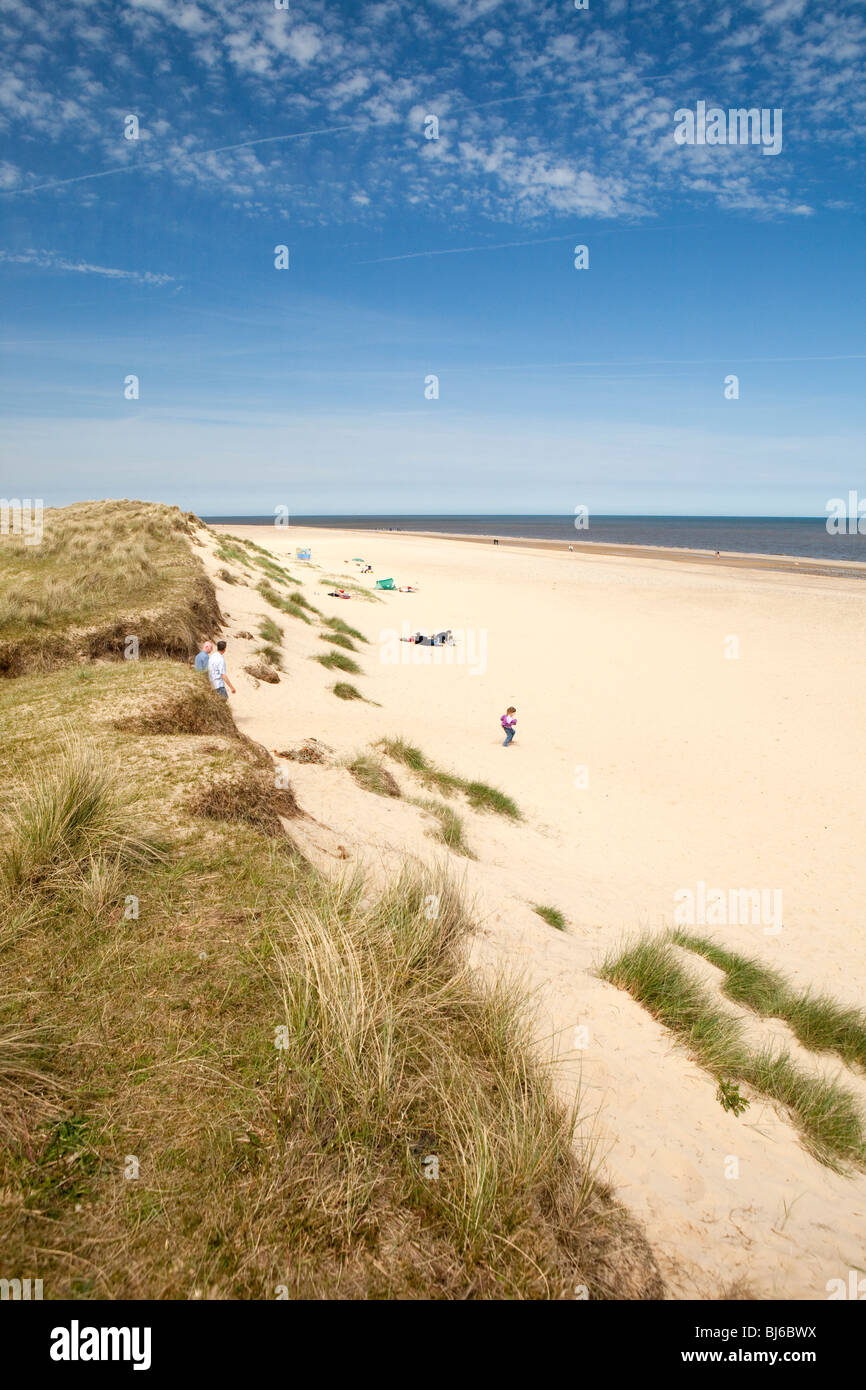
x,y
679,724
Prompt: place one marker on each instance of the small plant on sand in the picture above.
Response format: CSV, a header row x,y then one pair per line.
x,y
335,661
271,654
451,830
551,915
227,577
484,798
480,796
339,639
729,1098
337,625
344,691
373,776
270,631
298,598
285,605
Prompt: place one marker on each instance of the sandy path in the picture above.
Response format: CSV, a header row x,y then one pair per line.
x,y
647,761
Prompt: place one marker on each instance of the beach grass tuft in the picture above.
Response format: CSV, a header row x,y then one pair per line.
x,y
450,829
271,632
817,1021
480,796
344,691
339,639
271,654
336,661
337,625
827,1116
373,776
552,916
285,605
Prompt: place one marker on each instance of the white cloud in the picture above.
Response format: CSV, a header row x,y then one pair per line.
x,y
48,260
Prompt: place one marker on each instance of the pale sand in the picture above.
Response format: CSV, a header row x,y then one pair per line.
x,y
738,772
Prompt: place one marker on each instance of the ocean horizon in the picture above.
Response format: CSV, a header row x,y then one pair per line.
x,y
805,537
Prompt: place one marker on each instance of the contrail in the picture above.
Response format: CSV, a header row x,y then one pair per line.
x,y
538,241
196,154
459,250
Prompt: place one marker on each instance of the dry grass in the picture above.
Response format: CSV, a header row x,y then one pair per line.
x,y
193,710
103,572
247,795
373,776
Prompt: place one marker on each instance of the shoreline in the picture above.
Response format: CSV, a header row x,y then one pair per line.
x,y
726,559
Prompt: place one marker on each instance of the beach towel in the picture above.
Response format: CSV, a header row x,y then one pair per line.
x,y
385,584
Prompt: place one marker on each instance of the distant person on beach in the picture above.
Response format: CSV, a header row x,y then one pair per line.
x,y
216,669
509,724
203,657
495,541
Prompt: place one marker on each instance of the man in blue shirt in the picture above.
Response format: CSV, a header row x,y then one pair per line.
x,y
203,657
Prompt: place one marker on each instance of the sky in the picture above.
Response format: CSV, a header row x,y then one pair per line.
x,y
412,258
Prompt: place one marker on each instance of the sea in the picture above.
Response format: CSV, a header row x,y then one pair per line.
x,y
804,537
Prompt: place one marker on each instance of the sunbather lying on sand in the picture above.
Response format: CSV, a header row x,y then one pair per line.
x,y
338,593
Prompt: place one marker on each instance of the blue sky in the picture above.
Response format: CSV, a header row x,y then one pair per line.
x,y
304,127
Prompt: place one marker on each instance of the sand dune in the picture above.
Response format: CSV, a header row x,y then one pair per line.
x,y
678,725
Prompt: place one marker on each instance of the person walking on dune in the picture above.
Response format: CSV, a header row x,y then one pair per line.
x,y
201,661
509,724
216,669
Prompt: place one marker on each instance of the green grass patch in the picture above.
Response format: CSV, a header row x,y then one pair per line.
x,y
817,1021
450,829
285,605
480,796
551,915
336,661
337,625
269,631
298,598
339,639
344,691
827,1116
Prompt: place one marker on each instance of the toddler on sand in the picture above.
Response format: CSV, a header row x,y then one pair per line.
x,y
509,724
